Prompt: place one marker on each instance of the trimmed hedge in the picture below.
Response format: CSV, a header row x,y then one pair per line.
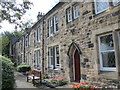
x,y
23,68
8,80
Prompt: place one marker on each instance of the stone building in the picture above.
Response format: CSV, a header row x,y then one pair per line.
x,y
78,40
17,53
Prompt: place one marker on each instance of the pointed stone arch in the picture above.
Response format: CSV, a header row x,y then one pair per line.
x,y
73,46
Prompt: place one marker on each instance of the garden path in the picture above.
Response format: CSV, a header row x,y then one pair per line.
x,y
20,81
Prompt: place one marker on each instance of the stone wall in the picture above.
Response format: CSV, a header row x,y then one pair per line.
x,y
83,32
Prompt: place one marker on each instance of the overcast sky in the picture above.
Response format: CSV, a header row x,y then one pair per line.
x,y
39,6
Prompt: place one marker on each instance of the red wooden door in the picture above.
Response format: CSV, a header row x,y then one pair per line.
x,y
77,66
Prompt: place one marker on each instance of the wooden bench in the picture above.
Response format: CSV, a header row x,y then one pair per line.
x,y
35,76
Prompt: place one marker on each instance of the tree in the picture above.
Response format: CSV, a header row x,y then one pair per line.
x,y
6,37
13,11
27,24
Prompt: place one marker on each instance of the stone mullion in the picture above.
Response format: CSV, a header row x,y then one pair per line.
x,y
117,55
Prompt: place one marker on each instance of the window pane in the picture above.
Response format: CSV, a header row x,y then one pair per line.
x,y
108,59
38,58
116,2
57,60
106,43
69,15
51,60
57,50
51,51
55,24
76,12
102,5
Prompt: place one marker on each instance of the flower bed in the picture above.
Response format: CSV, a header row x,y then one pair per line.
x,y
54,82
85,86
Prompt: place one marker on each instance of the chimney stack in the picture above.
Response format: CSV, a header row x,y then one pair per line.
x,y
40,15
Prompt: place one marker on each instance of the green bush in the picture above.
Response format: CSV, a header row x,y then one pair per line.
x,y
7,73
6,60
23,68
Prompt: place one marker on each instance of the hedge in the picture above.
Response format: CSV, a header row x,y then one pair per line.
x,y
8,80
23,68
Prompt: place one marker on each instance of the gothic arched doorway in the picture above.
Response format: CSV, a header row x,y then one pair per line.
x,y
74,62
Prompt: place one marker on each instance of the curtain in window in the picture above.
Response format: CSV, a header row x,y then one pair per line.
x,y
107,51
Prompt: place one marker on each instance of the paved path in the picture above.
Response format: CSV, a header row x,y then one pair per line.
x,y
21,81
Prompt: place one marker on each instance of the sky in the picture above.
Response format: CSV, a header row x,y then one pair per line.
x,y
39,6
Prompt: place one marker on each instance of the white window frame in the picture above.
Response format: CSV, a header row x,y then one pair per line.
x,y
49,57
55,24
50,23
35,59
29,40
116,3
28,58
38,58
97,12
23,43
69,15
38,34
76,11
57,65
100,55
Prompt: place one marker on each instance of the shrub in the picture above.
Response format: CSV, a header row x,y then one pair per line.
x,y
7,73
23,68
6,60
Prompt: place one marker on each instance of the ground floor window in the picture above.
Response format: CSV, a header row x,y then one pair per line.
x,y
27,58
107,52
53,57
37,59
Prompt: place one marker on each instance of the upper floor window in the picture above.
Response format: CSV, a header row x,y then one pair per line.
x,y
116,2
76,11
55,24
50,27
101,5
29,40
107,53
72,13
69,15
26,42
37,35
23,43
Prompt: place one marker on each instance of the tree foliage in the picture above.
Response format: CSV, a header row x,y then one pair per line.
x,y
13,11
27,24
6,37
